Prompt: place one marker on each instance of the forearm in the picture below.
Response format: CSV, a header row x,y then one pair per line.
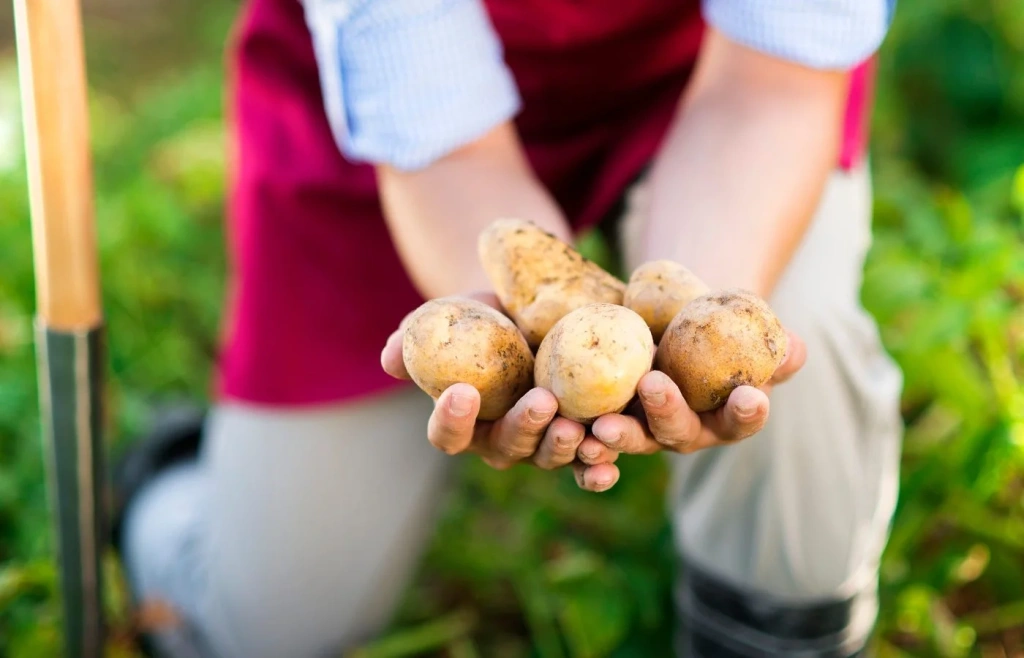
x,y
436,214
742,169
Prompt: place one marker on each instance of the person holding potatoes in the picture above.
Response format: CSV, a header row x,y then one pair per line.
x,y
375,143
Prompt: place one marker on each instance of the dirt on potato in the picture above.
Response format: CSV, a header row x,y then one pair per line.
x,y
455,340
539,278
719,342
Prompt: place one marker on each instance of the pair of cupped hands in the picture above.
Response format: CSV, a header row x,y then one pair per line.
x,y
532,431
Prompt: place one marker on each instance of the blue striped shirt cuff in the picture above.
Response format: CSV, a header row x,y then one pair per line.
x,y
820,34
407,82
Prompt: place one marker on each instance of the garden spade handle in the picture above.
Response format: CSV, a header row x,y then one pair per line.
x,y
69,319
53,94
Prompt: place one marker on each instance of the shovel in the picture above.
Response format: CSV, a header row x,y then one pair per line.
x,y
69,320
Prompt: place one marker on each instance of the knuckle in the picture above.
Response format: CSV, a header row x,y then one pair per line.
x,y
446,448
745,433
662,414
448,429
445,444
671,437
745,430
550,462
687,447
674,427
445,435
497,464
514,450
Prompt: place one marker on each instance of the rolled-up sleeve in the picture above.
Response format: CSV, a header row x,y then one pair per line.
x,y
820,34
407,81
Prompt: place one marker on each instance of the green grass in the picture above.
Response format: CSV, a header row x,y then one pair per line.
x,y
522,563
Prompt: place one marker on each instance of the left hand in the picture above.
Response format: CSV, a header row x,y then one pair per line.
x,y
663,421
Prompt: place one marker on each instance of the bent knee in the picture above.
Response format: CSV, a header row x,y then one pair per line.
x,y
801,508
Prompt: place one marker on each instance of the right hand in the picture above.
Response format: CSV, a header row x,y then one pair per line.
x,y
531,432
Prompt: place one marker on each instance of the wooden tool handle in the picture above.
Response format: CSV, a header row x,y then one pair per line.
x,y
51,68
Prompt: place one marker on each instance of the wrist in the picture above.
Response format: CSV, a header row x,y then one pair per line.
x,y
436,214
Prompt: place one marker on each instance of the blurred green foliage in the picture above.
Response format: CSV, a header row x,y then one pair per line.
x,y
523,564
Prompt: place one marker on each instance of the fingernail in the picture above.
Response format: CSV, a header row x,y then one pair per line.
x,y
746,410
460,405
591,452
566,441
614,440
538,416
655,398
603,480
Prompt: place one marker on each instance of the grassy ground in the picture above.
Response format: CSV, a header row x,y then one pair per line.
x,y
523,564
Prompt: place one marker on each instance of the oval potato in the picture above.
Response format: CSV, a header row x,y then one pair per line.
x,y
718,342
540,278
456,340
658,290
593,359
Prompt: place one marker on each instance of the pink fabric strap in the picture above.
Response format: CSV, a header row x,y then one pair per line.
x,y
857,120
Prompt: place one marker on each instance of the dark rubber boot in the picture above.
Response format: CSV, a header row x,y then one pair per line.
x,y
719,621
175,437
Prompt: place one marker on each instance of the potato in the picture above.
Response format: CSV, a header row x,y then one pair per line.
x,y
658,290
718,342
455,340
593,359
539,278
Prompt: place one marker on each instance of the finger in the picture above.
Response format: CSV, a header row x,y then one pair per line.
x,y
744,414
517,434
559,445
451,424
625,434
391,356
796,356
601,477
592,452
669,419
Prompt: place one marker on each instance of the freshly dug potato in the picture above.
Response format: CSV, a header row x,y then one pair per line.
x,y
718,342
658,290
539,278
592,360
453,340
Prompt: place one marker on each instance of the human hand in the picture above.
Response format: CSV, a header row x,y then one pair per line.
x,y
529,433
661,419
